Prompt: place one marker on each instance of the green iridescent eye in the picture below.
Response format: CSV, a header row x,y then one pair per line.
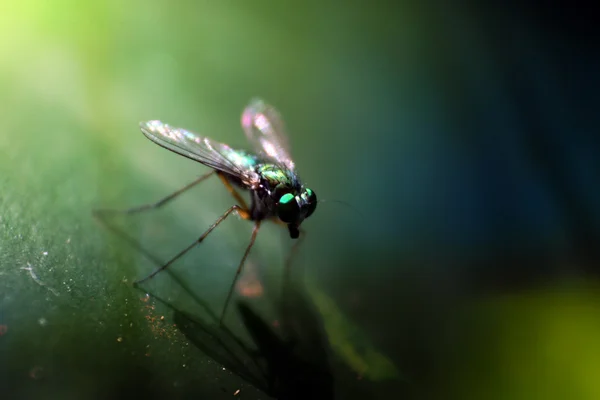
x,y
312,202
288,208
286,198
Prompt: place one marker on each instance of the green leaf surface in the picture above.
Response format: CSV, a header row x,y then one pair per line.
x,y
75,80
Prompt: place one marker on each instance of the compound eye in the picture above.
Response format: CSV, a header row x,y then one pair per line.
x,y
287,208
312,202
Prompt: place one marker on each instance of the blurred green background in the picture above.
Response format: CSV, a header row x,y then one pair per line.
x,y
461,137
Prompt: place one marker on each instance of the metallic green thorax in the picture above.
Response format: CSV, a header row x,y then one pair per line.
x,y
271,175
275,175
275,190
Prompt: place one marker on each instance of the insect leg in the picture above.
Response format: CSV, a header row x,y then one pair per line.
x,y
290,256
237,273
293,250
159,203
240,200
240,211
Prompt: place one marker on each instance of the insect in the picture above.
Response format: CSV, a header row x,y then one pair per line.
x,y
268,173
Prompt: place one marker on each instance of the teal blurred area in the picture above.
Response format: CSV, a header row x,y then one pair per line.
x,y
462,137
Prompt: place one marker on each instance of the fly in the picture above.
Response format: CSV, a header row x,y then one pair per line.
x,y
268,173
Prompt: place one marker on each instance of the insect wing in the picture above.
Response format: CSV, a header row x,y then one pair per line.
x,y
198,148
265,130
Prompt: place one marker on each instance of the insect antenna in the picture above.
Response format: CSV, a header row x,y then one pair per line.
x,y
342,202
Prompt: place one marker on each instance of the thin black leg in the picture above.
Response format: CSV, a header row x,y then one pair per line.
x,y
240,211
159,203
237,274
291,254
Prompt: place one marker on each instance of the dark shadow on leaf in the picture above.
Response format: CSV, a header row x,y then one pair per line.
x,y
291,365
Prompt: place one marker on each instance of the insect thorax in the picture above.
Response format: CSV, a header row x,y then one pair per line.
x,y
271,177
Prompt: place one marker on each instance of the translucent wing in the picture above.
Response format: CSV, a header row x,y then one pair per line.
x,y
264,129
215,155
